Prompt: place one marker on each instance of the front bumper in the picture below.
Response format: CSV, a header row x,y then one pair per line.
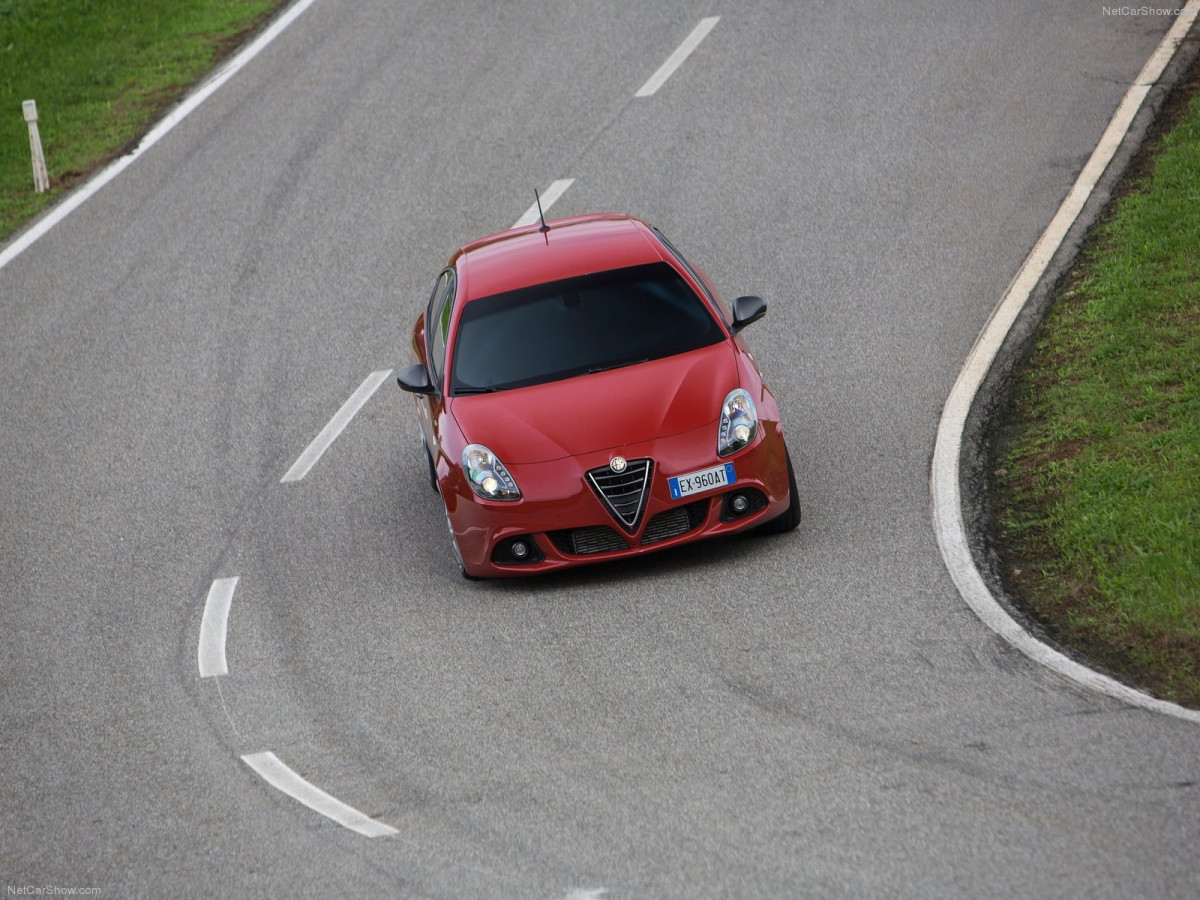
x,y
566,524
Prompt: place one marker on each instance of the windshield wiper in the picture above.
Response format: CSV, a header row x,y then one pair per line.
x,y
620,365
460,391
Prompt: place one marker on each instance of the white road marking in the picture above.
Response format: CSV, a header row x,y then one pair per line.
x,y
76,199
211,652
586,894
552,193
944,478
279,776
675,60
340,420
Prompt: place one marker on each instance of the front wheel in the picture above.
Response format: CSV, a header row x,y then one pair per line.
x,y
790,517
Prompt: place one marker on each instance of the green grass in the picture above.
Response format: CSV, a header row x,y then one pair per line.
x,y
1097,482
101,72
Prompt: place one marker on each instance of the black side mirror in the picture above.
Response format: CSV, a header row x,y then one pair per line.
x,y
415,380
747,310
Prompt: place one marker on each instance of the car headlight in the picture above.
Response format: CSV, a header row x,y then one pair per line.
x,y
486,474
739,422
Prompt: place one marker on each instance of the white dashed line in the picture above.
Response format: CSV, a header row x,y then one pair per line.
x,y
340,420
675,60
551,194
279,776
944,479
211,652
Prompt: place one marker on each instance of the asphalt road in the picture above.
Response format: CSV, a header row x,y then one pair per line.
x,y
813,715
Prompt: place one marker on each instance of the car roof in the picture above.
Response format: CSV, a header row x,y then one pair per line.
x,y
574,246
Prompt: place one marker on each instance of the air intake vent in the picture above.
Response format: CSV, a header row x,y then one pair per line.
x,y
624,493
585,541
674,522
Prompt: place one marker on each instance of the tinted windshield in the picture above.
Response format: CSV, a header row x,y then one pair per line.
x,y
580,325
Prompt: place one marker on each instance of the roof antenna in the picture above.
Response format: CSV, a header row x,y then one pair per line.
x,y
541,216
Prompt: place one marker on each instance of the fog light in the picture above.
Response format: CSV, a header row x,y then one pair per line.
x,y
521,550
742,503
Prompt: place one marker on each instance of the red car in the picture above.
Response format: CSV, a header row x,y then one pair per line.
x,y
583,395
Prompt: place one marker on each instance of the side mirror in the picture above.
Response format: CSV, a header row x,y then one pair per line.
x,y
747,310
415,380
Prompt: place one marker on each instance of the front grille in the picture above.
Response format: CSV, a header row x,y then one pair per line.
x,y
674,522
584,541
624,494
602,539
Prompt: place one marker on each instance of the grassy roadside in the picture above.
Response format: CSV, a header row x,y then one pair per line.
x,y
101,72
1096,469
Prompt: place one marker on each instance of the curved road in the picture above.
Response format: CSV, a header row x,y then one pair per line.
x,y
814,715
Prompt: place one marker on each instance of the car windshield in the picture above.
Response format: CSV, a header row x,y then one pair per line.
x,y
578,326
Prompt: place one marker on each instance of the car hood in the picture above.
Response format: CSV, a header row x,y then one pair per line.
x,y
601,411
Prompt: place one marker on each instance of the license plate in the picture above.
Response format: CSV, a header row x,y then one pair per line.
x,y
704,480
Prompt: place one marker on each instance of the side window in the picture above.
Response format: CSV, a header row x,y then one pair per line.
x,y
437,322
683,261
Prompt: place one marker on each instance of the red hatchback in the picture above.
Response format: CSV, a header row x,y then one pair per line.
x,y
583,395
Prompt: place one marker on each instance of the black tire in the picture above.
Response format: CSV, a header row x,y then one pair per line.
x,y
789,518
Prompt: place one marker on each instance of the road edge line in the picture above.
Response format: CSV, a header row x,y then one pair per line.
x,y
946,474
207,87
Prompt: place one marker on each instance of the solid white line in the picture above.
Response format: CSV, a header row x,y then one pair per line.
x,y
552,193
223,73
340,420
944,478
279,776
675,60
211,652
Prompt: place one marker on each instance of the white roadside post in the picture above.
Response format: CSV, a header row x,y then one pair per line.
x,y
41,181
